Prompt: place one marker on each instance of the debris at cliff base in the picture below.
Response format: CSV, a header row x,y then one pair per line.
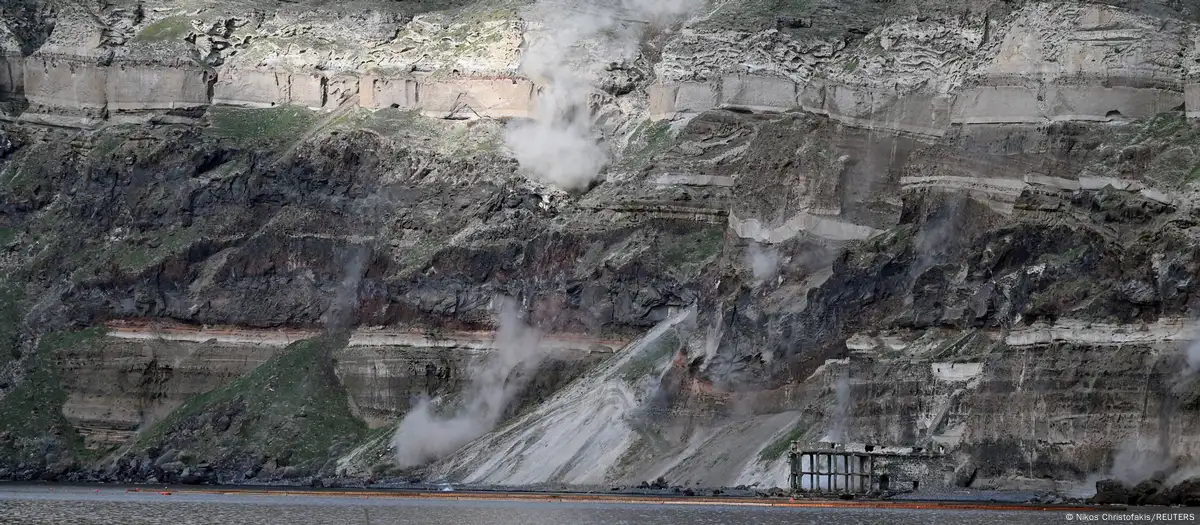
x,y
1149,492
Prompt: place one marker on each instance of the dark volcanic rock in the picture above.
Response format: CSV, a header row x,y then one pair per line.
x,y
964,475
1110,492
1186,492
1146,493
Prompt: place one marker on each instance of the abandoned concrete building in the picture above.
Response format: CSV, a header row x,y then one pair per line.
x,y
854,468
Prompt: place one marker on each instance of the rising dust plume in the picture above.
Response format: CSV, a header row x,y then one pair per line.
x,y
567,58
425,434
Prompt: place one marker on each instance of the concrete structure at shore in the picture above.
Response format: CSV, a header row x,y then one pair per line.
x,y
855,468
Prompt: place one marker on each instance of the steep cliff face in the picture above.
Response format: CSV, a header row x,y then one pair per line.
x,y
920,223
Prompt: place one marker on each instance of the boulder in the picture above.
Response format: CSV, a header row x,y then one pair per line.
x,y
1186,492
166,457
173,467
1110,492
190,477
964,475
1146,493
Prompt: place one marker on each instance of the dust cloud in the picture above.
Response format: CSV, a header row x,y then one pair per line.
x,y
1191,357
712,337
426,434
1138,458
763,262
838,427
1134,463
339,316
566,58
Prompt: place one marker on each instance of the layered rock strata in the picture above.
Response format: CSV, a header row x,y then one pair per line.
x,y
969,225
912,77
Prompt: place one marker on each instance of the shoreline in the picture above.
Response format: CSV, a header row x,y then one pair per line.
x,y
568,497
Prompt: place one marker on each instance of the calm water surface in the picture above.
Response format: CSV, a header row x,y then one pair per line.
x,y
81,505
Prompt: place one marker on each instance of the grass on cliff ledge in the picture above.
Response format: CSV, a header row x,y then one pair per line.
x,y
279,124
291,408
458,138
170,28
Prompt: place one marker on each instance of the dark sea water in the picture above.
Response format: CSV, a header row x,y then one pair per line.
x,y
84,505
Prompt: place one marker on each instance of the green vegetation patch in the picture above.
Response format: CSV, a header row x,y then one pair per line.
x,y
33,429
480,137
132,255
137,257
111,139
1064,294
649,141
651,358
691,251
413,259
387,121
781,445
1190,398
280,124
170,28
1164,149
12,321
291,408
7,235
1165,125
20,181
